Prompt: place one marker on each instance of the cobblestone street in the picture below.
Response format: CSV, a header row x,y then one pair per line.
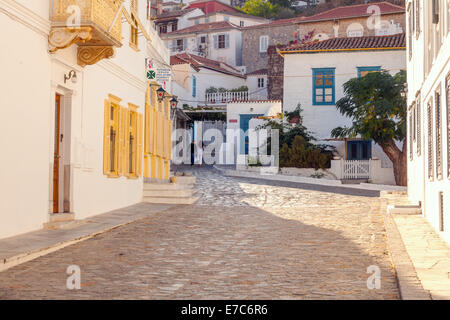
x,y
244,239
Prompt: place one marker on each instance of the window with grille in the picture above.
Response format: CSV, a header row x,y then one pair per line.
x,y
438,121
430,140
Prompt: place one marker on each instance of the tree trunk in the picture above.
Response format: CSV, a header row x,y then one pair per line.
x,y
399,160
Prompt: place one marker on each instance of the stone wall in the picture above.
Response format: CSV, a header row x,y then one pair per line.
x,y
275,73
282,34
251,57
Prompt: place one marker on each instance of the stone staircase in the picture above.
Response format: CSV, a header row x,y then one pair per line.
x,y
398,203
180,190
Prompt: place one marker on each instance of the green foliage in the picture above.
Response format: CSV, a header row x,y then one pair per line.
x,y
222,90
240,89
297,149
260,8
377,105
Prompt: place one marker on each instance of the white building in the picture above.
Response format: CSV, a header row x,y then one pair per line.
x,y
221,41
194,75
242,116
314,75
237,18
429,110
65,87
174,20
257,84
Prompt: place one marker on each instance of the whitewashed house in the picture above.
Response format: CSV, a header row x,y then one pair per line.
x,y
72,106
257,84
314,75
221,41
242,116
235,17
193,75
429,110
173,20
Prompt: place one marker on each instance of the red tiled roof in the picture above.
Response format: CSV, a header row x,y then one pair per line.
x,y
205,27
173,14
358,10
212,6
200,62
397,41
257,72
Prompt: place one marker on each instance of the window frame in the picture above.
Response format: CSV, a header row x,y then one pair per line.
x,y
368,70
266,43
223,35
316,71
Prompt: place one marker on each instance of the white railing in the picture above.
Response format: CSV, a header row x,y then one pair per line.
x,y
356,169
224,97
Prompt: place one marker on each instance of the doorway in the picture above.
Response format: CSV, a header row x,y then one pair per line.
x,y
61,156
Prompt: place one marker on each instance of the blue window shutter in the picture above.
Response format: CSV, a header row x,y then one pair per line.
x,y
216,41
227,40
184,44
324,91
194,86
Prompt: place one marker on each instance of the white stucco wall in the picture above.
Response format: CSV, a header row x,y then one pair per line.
x,y
254,91
231,55
422,88
236,20
32,77
206,78
320,119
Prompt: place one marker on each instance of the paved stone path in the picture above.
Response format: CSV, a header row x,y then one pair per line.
x,y
242,240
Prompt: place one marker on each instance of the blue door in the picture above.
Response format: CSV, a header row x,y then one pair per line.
x,y
243,124
359,150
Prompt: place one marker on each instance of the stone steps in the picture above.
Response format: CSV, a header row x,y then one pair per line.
x,y
398,203
179,191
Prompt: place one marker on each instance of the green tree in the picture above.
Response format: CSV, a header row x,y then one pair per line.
x,y
260,8
377,105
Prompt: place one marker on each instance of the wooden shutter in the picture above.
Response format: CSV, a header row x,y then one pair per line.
x,y
447,90
438,122
121,168
106,137
134,5
227,40
184,44
430,140
139,154
418,126
410,135
216,41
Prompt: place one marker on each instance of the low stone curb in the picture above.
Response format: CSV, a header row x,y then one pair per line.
x,y
409,285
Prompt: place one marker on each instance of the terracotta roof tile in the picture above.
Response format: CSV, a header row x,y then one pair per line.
x,y
200,62
205,27
338,44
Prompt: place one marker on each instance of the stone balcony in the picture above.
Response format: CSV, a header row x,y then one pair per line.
x,y
95,25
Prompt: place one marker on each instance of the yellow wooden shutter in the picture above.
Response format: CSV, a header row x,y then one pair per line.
x,y
139,154
106,137
125,141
